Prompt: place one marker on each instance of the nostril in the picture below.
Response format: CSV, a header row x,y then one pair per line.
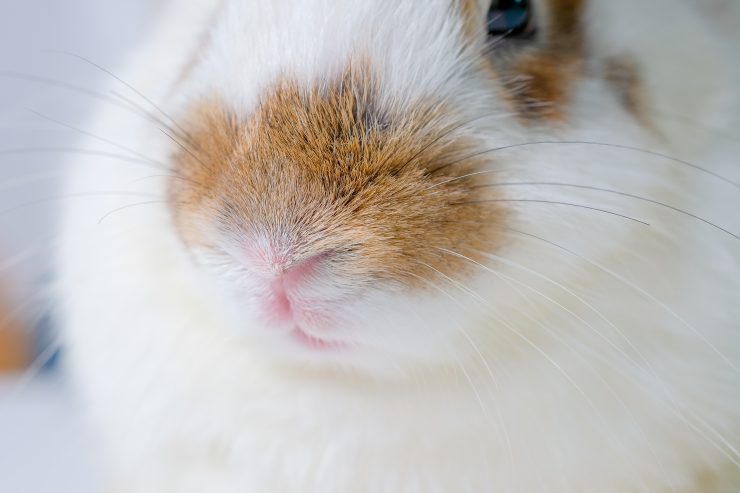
x,y
279,301
301,271
272,263
287,297
279,304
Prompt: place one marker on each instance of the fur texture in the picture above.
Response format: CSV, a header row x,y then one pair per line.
x,y
510,269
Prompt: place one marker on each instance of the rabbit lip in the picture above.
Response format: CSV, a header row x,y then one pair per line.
x,y
301,316
311,341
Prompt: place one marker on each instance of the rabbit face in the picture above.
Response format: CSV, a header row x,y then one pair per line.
x,y
358,177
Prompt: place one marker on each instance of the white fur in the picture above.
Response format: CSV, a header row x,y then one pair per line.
x,y
609,367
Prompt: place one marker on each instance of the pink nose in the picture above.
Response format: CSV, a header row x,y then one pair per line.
x,y
286,280
293,275
274,263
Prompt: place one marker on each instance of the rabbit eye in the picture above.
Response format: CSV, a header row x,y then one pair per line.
x,y
510,18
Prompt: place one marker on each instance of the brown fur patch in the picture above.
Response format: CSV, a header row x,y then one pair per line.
x,y
325,169
623,74
542,86
563,23
541,79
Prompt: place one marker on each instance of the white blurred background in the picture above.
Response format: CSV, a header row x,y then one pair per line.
x,y
43,448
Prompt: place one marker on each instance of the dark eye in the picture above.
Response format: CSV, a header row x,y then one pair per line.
x,y
510,18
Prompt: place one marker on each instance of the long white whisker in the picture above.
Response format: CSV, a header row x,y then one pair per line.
x,y
483,359
612,192
93,136
500,275
640,290
593,144
76,196
677,407
28,180
123,82
84,152
129,206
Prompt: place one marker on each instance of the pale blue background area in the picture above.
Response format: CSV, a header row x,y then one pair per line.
x,y
43,446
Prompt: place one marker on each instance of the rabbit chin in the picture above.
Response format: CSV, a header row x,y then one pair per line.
x,y
380,332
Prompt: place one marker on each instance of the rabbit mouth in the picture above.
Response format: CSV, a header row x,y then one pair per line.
x,y
284,307
311,341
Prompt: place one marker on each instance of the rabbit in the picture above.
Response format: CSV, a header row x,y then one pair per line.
x,y
412,246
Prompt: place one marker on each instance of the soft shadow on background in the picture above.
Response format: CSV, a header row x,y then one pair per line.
x,y
43,447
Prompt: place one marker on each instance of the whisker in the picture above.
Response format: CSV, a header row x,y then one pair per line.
x,y
28,180
84,152
126,84
590,143
640,290
534,346
470,381
169,176
186,149
22,126
555,202
482,358
129,206
91,135
691,122
613,192
677,407
175,128
583,359
580,299
103,139
117,101
453,282
9,74
74,196
443,135
462,177
567,310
